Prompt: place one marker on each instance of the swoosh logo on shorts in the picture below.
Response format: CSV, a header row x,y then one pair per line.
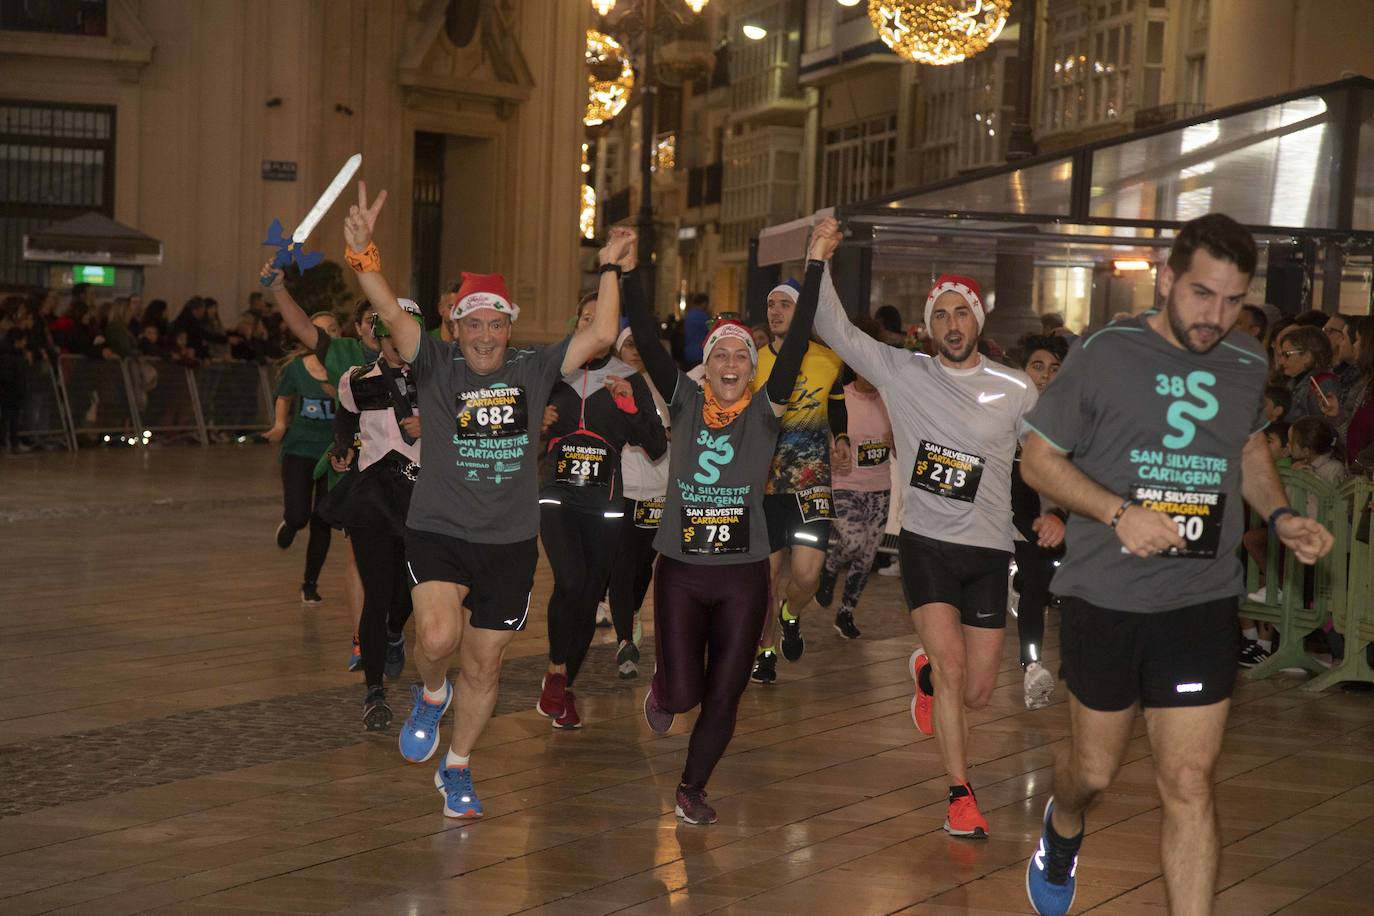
x,y
985,398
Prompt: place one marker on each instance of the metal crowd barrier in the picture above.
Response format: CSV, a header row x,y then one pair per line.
x,y
107,397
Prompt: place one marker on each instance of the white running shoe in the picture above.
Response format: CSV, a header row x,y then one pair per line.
x,y
603,615
1039,684
1260,597
892,569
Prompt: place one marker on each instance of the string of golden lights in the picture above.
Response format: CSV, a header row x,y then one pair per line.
x,y
938,32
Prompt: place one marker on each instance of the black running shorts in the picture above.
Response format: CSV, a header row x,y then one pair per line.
x,y
786,528
1112,660
499,577
973,579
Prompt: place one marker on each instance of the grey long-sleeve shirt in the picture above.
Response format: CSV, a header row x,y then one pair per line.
x,y
956,430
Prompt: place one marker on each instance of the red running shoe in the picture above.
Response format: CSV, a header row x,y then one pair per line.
x,y
570,719
692,807
922,704
552,690
964,819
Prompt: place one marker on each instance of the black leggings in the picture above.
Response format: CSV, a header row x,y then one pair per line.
x,y
579,546
301,493
1034,569
631,571
381,559
707,623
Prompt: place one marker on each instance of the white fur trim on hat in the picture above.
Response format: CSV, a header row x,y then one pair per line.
x,y
474,301
730,329
787,289
980,311
625,332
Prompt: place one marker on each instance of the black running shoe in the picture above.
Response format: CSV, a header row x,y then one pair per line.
x,y
376,714
285,535
627,660
792,643
395,657
310,594
825,590
765,667
844,625
1252,653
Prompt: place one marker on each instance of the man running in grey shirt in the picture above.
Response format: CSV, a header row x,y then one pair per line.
x,y
956,418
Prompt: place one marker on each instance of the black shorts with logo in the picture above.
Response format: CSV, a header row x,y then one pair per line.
x,y
973,579
1112,660
498,577
786,528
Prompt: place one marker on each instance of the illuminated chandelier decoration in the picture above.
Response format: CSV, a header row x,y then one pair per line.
x,y
586,221
696,5
938,32
603,7
609,78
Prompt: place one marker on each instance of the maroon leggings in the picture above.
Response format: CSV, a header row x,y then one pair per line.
x,y
707,623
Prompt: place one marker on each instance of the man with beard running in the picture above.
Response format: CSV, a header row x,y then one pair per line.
x,y
956,418
798,502
1151,436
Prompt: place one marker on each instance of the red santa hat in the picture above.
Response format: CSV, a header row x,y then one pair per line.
x,y
730,328
483,291
967,288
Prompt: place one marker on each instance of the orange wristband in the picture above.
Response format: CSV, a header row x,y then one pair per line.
x,y
369,262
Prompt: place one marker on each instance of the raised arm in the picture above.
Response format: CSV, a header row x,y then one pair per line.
x,y
598,336
294,317
783,379
872,359
658,362
367,267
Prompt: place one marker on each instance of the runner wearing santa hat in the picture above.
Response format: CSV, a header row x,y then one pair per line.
x,y
956,418
470,539
711,581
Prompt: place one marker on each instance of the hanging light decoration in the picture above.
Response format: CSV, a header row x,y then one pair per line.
x,y
938,31
586,221
695,5
609,78
603,7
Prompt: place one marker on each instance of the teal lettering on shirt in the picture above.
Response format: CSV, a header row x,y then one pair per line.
x,y
721,453
1182,413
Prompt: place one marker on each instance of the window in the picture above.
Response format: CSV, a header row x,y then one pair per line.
x,y
56,162
1105,62
859,161
65,17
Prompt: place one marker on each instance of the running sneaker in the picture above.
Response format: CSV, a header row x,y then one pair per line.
x,y
1051,873
1261,596
285,535
1038,684
420,734
376,712
355,659
692,807
1252,653
792,643
551,692
603,615
825,588
844,625
765,667
627,660
310,594
964,819
570,719
395,656
637,633
891,570
658,719
922,703
455,784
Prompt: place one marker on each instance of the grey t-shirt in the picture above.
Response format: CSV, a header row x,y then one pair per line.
x,y
1147,419
478,476
956,431
713,513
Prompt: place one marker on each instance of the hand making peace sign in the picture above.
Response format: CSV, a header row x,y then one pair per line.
x,y
361,219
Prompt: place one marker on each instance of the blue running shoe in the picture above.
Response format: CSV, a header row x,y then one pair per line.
x,y
355,656
395,657
420,734
455,784
1050,873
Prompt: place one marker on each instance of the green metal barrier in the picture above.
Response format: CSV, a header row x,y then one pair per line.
x,y
1356,622
1285,577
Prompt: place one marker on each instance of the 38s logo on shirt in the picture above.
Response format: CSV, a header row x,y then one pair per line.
x,y
1183,412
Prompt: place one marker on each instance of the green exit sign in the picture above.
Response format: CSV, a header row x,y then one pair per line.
x,y
93,274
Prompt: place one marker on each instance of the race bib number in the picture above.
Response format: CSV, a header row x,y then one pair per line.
x,y
815,504
715,530
491,413
871,453
1197,514
648,513
581,465
947,471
